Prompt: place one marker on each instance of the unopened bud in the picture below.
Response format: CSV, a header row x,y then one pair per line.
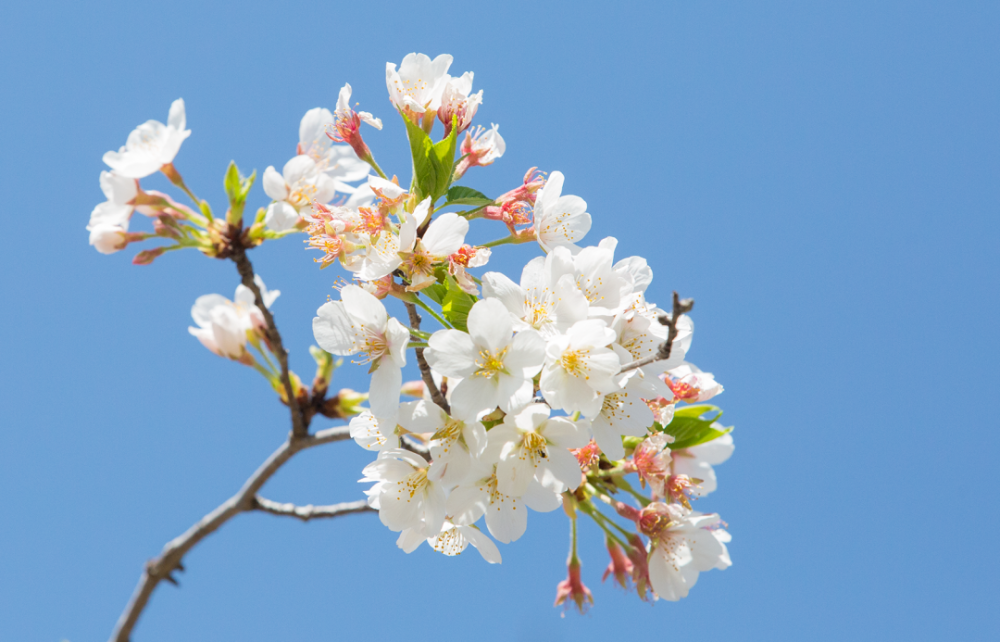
x,y
146,257
414,389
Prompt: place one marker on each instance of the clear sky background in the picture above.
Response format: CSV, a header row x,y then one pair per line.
x,y
821,177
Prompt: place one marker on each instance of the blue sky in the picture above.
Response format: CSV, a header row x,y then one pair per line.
x,y
820,177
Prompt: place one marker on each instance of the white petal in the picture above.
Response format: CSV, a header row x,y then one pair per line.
x,y
490,325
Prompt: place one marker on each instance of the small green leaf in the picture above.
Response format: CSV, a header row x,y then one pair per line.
x,y
232,182
436,292
460,195
424,168
689,429
456,305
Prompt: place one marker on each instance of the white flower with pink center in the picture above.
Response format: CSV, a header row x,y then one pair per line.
x,y
417,86
294,190
223,324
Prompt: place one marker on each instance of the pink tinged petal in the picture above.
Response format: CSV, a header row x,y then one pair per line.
x,y
334,329
207,339
383,396
564,467
486,547
506,519
446,234
201,311
451,353
274,184
490,325
526,354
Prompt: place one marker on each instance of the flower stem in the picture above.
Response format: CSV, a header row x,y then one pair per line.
x,y
503,241
434,314
378,170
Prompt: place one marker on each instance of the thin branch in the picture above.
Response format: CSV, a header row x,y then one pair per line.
x,y
681,306
305,513
239,256
162,567
425,370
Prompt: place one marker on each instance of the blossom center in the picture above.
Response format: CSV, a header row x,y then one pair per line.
x,y
574,362
490,363
414,483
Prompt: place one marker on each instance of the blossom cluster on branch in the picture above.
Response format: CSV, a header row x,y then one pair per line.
x,y
565,388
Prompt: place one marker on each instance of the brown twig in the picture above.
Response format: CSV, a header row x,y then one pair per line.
x,y
300,426
425,369
162,567
305,513
681,306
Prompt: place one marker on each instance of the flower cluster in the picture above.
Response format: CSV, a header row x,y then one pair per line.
x,y
564,388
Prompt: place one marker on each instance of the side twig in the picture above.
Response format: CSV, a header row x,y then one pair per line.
x,y
305,513
163,567
681,306
239,256
425,370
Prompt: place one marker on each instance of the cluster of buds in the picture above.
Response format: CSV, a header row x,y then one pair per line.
x,y
551,391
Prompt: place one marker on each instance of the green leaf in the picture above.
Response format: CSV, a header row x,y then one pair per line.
x,y
456,305
689,429
432,162
232,182
436,292
460,195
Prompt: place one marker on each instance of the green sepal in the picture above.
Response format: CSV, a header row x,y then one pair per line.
x,y
237,187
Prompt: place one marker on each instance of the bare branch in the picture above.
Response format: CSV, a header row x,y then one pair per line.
x,y
162,567
425,370
305,513
239,256
681,306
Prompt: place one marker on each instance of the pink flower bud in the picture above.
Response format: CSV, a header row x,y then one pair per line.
x,y
108,239
621,566
146,257
573,588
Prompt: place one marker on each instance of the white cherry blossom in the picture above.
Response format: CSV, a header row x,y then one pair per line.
x,y
120,192
690,384
339,162
683,544
458,100
506,515
592,270
624,413
417,86
496,366
540,302
451,541
223,324
453,442
531,442
367,432
580,368
151,145
358,323
559,220
404,493
294,190
444,236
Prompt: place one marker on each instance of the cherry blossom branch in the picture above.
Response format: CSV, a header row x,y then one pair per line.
x,y
681,306
425,369
305,513
162,567
300,427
